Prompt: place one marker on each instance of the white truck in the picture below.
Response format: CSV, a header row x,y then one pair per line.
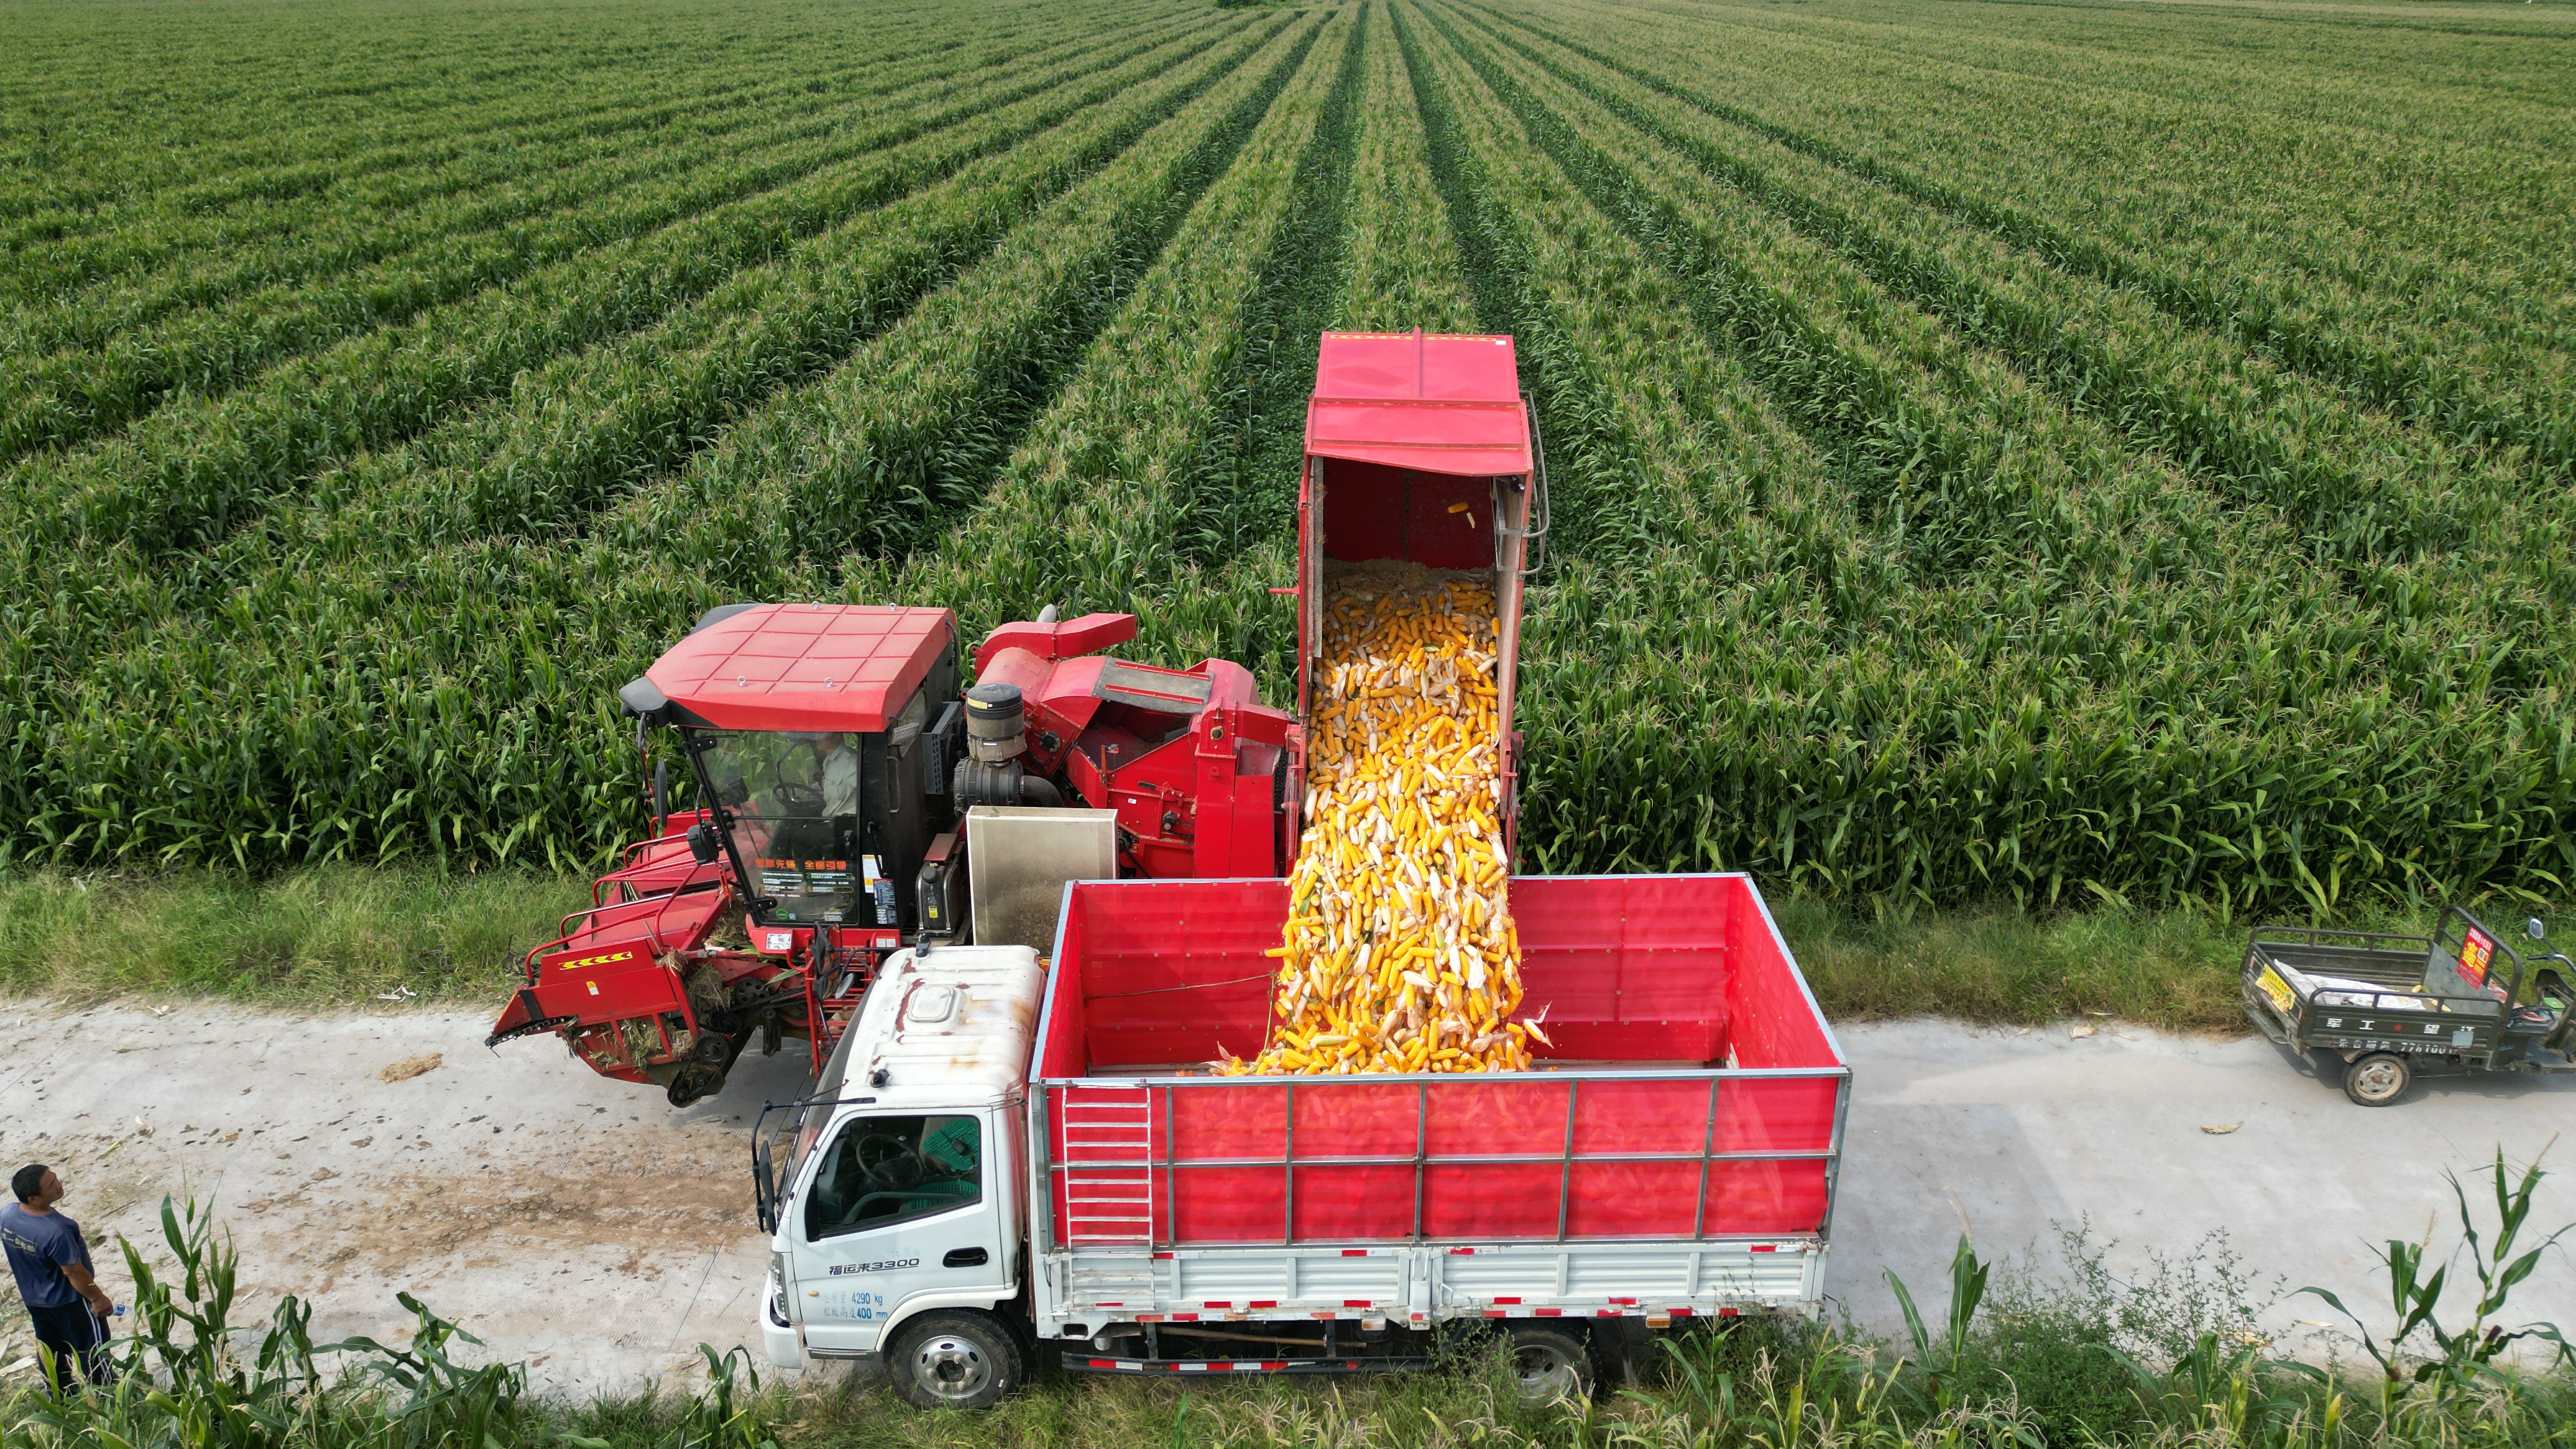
x,y
1007,1151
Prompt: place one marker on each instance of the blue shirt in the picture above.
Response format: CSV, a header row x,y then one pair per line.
x,y
40,1246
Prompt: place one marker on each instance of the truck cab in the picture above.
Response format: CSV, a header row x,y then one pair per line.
x,y
899,1214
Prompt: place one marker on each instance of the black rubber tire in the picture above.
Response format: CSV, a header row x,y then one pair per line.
x,y
1549,1364
2378,1079
955,1359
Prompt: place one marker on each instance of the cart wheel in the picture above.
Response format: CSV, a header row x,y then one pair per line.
x,y
1550,1365
2377,1079
954,1361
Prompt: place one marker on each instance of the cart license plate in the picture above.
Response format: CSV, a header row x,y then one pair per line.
x,y
2275,988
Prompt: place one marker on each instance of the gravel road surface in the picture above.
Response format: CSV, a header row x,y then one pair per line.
x,y
584,1226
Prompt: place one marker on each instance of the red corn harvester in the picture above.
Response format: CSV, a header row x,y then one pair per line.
x,y
836,761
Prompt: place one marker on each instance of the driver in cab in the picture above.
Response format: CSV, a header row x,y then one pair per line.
x,y
836,765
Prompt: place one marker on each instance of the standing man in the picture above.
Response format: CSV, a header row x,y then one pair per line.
x,y
51,1262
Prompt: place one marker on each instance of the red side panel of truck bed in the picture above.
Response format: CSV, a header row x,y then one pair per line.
x,y
1693,1090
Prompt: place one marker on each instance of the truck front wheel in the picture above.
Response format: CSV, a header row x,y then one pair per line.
x,y
1549,1365
2377,1079
954,1360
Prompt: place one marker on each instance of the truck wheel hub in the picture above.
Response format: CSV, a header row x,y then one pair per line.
x,y
952,1368
1544,1374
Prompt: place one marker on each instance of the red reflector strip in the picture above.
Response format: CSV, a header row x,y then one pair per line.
x,y
1216,1305
1185,1318
1679,1312
1507,1300
1729,1312
1274,1365
1354,1252
1262,1303
1625,1302
1462,1252
1496,1313
1158,1257
1549,1312
1098,1363
1149,1318
1105,1303
1356,1303
1765,1248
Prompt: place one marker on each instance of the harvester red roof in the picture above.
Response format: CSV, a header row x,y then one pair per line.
x,y
803,666
1432,403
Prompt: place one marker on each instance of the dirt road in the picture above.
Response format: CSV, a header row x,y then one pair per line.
x,y
571,1221
587,1228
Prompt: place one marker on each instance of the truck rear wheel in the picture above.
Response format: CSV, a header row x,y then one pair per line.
x,y
1549,1364
954,1361
2377,1079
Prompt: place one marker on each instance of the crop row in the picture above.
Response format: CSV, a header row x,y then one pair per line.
x,y
2461,206
2358,487
78,246
197,259
581,432
2010,730
1098,509
191,474
71,396
2387,341
416,703
615,412
299,136
1099,506
1969,466
1404,270
1397,269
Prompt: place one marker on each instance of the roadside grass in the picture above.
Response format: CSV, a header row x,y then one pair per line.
x,y
329,936
336,936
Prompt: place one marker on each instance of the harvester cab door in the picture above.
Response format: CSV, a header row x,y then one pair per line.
x,y
900,1210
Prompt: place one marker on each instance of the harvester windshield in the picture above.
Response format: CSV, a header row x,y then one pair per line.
x,y
790,801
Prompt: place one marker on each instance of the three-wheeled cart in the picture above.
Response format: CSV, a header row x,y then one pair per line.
x,y
2370,1008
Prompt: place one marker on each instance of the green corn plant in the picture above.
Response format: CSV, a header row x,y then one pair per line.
x,y
1943,1363
2463,1354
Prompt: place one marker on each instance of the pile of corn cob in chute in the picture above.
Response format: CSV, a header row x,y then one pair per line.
x,y
1399,952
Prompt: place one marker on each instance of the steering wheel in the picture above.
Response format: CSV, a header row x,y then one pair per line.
x,y
889,1162
794,799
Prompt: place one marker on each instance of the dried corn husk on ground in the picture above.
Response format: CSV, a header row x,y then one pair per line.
x,y
1400,954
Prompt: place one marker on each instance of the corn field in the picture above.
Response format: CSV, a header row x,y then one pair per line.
x,y
2043,454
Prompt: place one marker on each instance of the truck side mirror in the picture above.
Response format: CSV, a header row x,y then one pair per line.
x,y
2534,929
702,843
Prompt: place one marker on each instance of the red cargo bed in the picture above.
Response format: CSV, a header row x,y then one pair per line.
x,y
1694,1090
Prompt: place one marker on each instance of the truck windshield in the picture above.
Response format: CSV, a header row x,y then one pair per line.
x,y
880,1171
791,800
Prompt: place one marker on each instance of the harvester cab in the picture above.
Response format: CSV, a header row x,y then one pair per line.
x,y
838,774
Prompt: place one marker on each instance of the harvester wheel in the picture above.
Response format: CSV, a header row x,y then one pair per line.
x,y
954,1360
692,1081
713,1048
2377,1079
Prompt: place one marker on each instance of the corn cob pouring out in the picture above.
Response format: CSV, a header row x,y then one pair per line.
x,y
1400,954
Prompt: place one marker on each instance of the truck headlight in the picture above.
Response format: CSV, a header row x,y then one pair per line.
x,y
778,1289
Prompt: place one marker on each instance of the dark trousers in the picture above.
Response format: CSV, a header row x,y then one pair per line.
x,y
76,1336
